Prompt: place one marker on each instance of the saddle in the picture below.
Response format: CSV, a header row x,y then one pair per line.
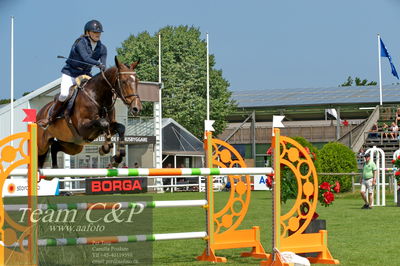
x,y
80,82
69,104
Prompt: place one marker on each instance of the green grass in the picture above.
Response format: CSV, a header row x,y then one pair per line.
x,y
355,236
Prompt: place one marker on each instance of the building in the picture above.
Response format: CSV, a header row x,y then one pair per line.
x,y
306,114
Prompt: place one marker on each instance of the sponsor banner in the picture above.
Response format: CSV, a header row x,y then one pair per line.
x,y
116,185
19,187
129,139
260,182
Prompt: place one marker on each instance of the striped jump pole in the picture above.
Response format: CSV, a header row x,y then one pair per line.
x,y
113,239
124,172
111,205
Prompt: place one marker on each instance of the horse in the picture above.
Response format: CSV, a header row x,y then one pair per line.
x,y
92,115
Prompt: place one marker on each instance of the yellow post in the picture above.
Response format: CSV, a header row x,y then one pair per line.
x,y
32,192
210,194
277,190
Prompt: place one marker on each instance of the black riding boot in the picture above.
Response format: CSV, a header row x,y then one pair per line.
x,y
57,108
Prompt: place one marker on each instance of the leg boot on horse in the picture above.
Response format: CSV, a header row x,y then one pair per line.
x,y
57,108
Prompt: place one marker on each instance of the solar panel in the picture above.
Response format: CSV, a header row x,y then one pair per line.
x,y
316,96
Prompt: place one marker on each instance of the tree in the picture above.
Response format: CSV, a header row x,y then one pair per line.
x,y
183,75
5,101
358,81
334,157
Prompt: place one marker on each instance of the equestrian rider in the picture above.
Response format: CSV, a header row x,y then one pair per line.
x,y
86,49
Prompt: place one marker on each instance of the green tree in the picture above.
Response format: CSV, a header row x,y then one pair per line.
x,y
183,75
289,182
335,157
358,82
5,101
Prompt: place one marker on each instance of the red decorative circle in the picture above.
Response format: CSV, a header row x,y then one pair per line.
x,y
11,188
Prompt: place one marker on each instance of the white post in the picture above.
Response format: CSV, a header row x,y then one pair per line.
x,y
380,69
159,164
157,114
380,179
67,165
12,79
208,83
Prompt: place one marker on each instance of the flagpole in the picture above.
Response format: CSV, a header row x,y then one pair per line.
x,y
12,79
380,69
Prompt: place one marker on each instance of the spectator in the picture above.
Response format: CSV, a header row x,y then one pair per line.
x,y
385,129
395,129
227,186
368,181
374,131
124,165
182,179
167,181
136,165
397,116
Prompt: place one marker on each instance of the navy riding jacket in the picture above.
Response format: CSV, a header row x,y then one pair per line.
x,y
82,51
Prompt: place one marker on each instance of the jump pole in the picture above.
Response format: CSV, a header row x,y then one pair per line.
x,y
126,172
111,205
52,242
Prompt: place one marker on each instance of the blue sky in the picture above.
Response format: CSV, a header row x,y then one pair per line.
x,y
258,44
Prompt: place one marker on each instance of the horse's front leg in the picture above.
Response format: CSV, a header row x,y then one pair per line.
x,y
120,130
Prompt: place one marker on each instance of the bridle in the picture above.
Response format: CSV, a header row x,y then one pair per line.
x,y
116,93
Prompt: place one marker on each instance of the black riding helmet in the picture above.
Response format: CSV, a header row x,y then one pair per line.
x,y
93,25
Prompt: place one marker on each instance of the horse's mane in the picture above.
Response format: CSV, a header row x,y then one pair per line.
x,y
109,71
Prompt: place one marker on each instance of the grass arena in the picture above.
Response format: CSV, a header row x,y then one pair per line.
x,y
178,228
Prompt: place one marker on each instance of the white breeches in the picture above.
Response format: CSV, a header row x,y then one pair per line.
x,y
66,83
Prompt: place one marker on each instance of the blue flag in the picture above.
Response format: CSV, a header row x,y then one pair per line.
x,y
385,53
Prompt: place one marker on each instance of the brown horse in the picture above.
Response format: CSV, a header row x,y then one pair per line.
x,y
92,115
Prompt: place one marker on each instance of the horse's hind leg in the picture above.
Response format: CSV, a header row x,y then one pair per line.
x,y
41,160
55,148
68,148
43,143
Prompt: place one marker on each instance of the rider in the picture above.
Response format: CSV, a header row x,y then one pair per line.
x,y
89,51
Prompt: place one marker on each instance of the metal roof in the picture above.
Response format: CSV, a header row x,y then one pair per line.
x,y
316,96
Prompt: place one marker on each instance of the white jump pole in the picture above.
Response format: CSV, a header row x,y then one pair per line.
x,y
111,205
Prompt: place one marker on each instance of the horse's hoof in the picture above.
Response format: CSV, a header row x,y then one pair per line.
x,y
116,159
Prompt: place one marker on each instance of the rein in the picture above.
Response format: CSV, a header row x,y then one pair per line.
x,y
116,93
119,92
